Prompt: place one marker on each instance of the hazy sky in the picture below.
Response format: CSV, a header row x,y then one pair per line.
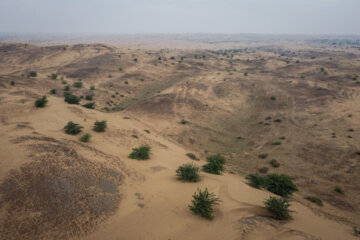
x,y
181,16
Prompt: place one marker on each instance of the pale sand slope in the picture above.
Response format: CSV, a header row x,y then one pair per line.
x,y
165,214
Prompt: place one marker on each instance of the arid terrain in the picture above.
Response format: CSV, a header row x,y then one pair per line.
x,y
296,101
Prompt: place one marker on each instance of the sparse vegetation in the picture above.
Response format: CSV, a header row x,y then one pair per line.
x,y
147,131
53,76
12,83
188,173
85,138
90,105
263,155
192,156
92,88
274,163
100,126
338,189
215,164
276,143
273,98
279,207
140,153
89,97
183,121
67,88
32,74
72,128
78,84
41,102
255,180
203,203
53,91
263,170
315,200
356,231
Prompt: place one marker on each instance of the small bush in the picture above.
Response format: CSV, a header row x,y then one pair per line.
x,y
263,170
41,102
276,143
63,82
192,156
32,74
71,99
279,207
281,185
77,84
12,83
85,138
215,164
274,163
315,200
273,98
53,76
89,97
53,91
183,121
339,190
92,88
147,131
140,153
356,231
188,173
263,155
90,105
72,128
255,180
67,88
203,203
100,126
245,74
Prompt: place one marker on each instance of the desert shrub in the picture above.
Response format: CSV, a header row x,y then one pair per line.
x,y
100,126
72,128
215,164
85,138
120,69
41,102
140,153
77,84
276,143
281,185
245,74
203,203
135,59
192,156
90,105
273,98
314,199
183,121
338,189
356,231
147,131
263,170
67,88
63,82
255,180
263,155
274,163
32,74
89,97
278,120
12,83
53,76
53,91
92,87
188,173
279,207
71,98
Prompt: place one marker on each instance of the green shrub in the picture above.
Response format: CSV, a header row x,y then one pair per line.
x,y
100,126
85,138
203,203
263,170
32,74
53,91
92,87
356,231
215,164
89,97
53,76
67,88
281,185
263,155
41,102
71,98
72,128
63,82
192,156
338,189
245,74
12,83
90,105
279,207
77,84
140,153
188,173
276,143
255,180
315,200
274,163
183,121
147,131
273,98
